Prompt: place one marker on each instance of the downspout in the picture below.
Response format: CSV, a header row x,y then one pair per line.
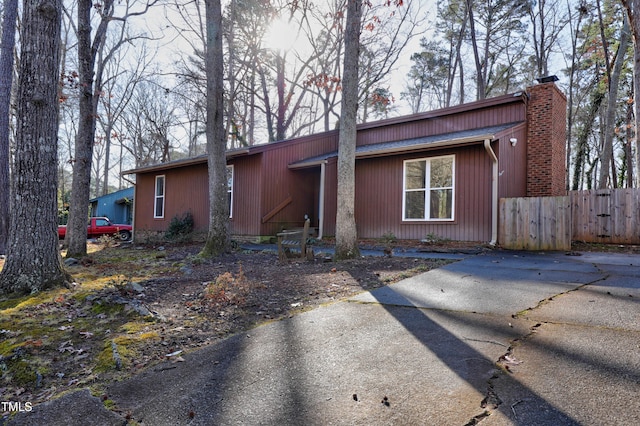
x,y
494,192
321,201
133,206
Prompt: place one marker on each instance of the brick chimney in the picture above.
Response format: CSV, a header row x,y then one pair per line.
x,y
546,141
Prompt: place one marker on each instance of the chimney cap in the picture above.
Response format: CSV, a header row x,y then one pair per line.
x,y
547,79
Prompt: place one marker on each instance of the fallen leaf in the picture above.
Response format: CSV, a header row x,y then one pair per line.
x,y
66,346
512,360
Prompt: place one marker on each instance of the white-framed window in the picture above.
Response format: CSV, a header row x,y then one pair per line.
x,y
428,189
230,189
158,209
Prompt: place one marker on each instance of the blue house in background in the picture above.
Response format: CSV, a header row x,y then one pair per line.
x,y
117,206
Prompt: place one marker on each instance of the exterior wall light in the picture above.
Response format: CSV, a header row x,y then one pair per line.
x,y
513,141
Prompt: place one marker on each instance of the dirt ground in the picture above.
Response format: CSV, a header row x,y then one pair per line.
x,y
132,307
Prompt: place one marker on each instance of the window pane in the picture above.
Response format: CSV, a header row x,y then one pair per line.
x,y
230,178
159,207
415,174
442,172
440,207
160,185
414,208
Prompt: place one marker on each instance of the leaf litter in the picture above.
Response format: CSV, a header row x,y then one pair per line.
x,y
132,309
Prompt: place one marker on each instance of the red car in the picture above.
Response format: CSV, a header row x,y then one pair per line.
x,y
99,226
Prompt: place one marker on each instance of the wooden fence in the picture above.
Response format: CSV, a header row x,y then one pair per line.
x,y
610,216
535,223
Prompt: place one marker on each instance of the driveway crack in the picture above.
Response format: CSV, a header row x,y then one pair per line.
x,y
492,400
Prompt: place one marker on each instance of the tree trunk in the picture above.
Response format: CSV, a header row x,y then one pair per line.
x,y
632,8
107,155
597,96
218,237
76,238
346,231
33,263
607,178
480,89
7,44
628,154
90,86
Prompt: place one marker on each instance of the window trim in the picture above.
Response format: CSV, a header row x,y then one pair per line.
x,y
428,189
156,196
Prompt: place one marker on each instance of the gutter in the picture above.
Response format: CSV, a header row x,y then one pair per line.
x,y
366,151
494,192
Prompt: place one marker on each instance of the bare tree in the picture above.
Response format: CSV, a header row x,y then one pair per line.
x,y
9,16
497,33
33,263
388,29
218,238
607,176
92,57
575,22
346,232
547,23
121,79
146,125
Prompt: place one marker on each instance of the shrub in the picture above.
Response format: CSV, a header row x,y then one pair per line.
x,y
389,238
432,238
180,228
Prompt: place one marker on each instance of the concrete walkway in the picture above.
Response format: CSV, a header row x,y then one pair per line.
x,y
499,338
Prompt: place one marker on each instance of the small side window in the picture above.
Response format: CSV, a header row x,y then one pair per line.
x,y
230,189
158,211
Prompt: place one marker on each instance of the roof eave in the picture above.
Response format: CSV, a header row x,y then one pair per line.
x,y
307,164
428,145
201,159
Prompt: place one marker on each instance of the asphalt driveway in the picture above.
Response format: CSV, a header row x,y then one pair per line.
x,y
498,339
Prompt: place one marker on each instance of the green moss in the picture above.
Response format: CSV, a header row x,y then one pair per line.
x,y
109,404
149,335
11,303
107,308
522,313
8,346
106,361
81,296
127,347
140,326
21,373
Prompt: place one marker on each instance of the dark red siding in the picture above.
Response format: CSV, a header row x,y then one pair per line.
x,y
185,191
247,194
287,195
379,186
505,109
512,160
270,195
